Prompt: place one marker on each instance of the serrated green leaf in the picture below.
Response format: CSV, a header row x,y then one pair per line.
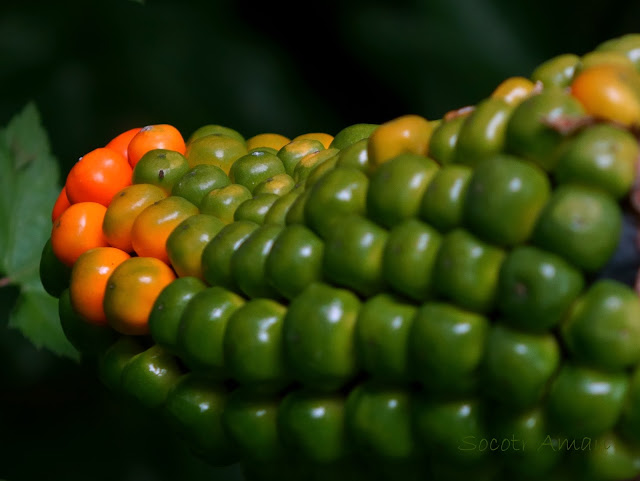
x,y
36,316
29,187
6,193
25,136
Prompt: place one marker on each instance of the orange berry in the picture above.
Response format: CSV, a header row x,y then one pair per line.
x,y
123,210
160,136
324,139
610,92
131,292
62,202
78,229
152,227
120,143
89,281
274,141
406,134
98,176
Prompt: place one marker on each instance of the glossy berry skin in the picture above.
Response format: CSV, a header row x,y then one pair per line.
x,y
150,137
353,254
215,149
250,420
443,203
253,345
355,156
530,133
610,457
483,133
325,139
153,226
504,200
537,288
160,167
319,171
54,275
256,209
450,430
89,281
120,143
123,210
379,422
222,203
444,139
628,44
584,401
352,134
278,211
187,241
339,193
218,253
97,177
202,326
78,229
251,170
279,184
149,377
89,339
111,364
312,425
446,347
319,330
602,156
199,181
610,92
248,263
558,71
514,90
523,437
517,366
132,289
603,327
164,319
272,140
396,188
406,134
61,204
382,336
214,129
293,152
194,406
581,224
294,261
310,162
468,270
409,257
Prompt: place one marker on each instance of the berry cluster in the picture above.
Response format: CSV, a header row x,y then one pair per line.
x,y
409,295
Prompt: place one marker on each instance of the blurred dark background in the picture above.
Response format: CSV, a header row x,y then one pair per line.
x,y
97,68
